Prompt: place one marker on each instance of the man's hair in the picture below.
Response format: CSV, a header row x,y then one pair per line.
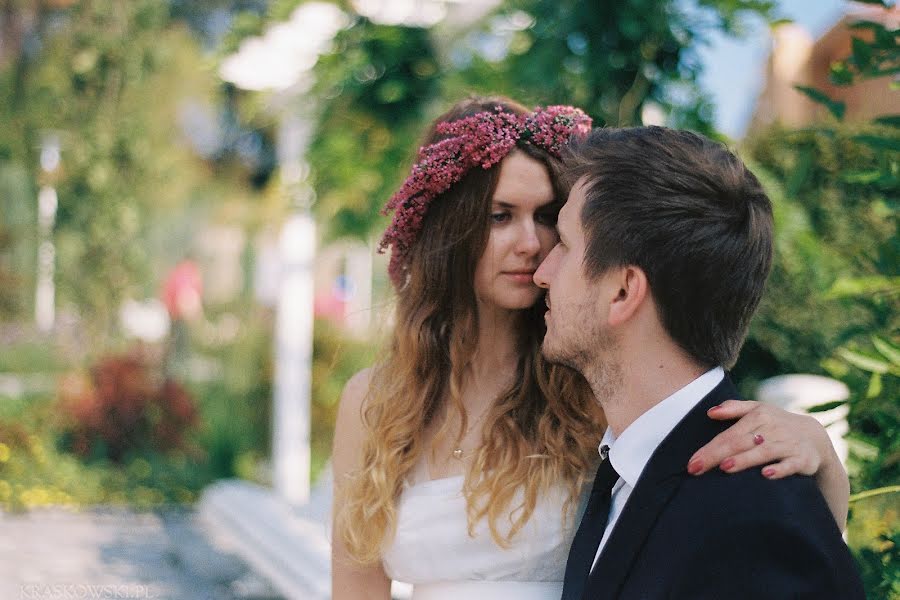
x,y
691,215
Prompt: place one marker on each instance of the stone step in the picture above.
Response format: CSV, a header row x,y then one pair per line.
x,y
291,551
289,546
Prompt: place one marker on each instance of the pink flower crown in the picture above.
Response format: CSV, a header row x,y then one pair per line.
x,y
483,140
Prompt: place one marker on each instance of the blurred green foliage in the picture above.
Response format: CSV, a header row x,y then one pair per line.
x,y
381,83
31,356
829,230
611,59
236,407
106,79
376,82
236,404
35,472
336,358
845,288
18,238
874,537
232,438
835,290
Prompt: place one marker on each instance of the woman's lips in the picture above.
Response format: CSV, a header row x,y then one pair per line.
x,y
520,276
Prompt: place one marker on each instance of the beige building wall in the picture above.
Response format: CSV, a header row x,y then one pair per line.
x,y
798,59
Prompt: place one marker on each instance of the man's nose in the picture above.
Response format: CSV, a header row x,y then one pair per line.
x,y
543,272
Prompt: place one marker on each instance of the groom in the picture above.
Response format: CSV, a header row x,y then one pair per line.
x,y
665,246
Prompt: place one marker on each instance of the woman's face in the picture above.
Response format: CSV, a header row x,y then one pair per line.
x,y
523,231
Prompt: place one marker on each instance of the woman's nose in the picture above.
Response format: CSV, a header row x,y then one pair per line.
x,y
528,241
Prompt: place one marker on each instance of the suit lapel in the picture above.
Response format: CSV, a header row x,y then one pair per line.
x,y
664,473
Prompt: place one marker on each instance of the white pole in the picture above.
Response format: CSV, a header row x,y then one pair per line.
x,y
294,321
45,290
293,365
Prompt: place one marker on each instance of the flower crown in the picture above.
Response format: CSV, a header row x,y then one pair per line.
x,y
479,140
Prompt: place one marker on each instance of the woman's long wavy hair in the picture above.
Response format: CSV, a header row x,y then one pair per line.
x,y
541,431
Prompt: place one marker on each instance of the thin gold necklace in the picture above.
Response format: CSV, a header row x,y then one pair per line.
x,y
458,451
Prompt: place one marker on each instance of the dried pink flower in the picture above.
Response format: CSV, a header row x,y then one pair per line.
x,y
480,140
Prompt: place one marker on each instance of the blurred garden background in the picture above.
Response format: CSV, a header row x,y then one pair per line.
x,y
151,152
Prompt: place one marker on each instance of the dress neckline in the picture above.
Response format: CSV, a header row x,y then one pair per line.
x,y
438,480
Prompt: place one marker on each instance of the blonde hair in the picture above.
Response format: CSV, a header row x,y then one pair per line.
x,y
539,433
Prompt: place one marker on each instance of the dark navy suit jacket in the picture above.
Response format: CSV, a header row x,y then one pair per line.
x,y
721,536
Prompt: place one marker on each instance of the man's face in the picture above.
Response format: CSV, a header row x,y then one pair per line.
x,y
576,319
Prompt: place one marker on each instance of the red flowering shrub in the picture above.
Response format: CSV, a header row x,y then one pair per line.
x,y
123,405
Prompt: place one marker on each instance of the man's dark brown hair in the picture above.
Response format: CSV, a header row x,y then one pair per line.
x,y
691,215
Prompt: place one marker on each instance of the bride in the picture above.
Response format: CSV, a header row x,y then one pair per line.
x,y
460,458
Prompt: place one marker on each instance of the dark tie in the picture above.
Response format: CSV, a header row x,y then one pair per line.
x,y
590,532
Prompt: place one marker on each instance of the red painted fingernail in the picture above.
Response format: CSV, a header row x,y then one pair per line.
x,y
768,472
758,439
727,464
695,466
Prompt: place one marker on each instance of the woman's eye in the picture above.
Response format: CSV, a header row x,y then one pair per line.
x,y
500,217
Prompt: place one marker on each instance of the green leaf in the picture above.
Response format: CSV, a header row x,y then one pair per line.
x,y
887,182
884,39
878,142
862,54
874,386
835,107
864,177
839,74
779,22
873,25
887,349
826,406
874,73
891,489
836,368
800,172
862,448
866,363
889,120
849,287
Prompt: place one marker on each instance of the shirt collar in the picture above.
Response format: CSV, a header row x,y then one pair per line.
x,y
631,451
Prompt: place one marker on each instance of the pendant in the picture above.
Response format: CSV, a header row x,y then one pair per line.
x,y
457,454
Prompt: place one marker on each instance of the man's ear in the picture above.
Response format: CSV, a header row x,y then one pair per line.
x,y
633,290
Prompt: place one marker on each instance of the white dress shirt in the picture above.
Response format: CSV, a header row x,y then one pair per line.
x,y
631,451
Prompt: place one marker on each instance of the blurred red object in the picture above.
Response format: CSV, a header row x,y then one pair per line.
x,y
183,290
122,405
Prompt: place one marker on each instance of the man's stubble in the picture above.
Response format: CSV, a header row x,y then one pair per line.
x,y
591,349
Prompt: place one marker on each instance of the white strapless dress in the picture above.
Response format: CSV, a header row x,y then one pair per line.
x,y
433,551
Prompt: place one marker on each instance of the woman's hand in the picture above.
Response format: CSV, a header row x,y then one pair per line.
x,y
786,443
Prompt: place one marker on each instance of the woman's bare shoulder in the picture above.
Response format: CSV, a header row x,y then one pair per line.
x,y
348,429
355,391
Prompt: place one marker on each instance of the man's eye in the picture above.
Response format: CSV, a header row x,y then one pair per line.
x,y
546,219
500,217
